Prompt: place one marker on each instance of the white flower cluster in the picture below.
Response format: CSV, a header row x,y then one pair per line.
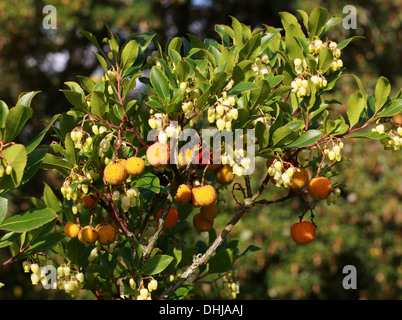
x,y
279,174
393,141
141,292
261,65
228,285
223,112
335,152
128,198
317,45
70,282
77,135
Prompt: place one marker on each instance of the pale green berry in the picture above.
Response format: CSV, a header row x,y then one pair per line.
x,y
399,131
297,62
1,170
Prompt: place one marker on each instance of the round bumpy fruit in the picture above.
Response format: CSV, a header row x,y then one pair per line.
x,y
302,232
209,212
71,229
158,154
171,219
224,175
90,201
202,225
183,194
299,179
106,233
88,235
115,173
135,165
203,196
319,188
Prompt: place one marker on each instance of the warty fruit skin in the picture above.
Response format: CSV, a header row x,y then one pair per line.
x,y
201,224
203,196
115,173
319,188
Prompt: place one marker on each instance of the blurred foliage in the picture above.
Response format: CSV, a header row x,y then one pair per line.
x,y
362,228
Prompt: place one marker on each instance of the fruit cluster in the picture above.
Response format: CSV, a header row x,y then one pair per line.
x,y
104,233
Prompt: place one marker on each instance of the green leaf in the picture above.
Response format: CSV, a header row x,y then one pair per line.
x,y
282,136
3,208
251,248
382,91
129,54
155,265
3,113
99,103
250,49
15,121
9,238
75,98
50,199
75,251
316,22
160,84
28,220
242,87
51,161
306,139
70,150
354,108
25,99
222,261
345,42
148,181
369,135
34,162
262,134
17,157
394,108
325,59
41,135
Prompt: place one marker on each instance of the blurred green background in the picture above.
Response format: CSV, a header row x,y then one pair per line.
x,y
363,228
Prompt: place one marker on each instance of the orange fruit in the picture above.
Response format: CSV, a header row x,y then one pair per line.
x,y
71,229
106,233
90,201
171,219
183,194
397,118
88,235
224,175
209,212
302,232
319,188
135,165
202,225
115,173
299,179
203,196
158,154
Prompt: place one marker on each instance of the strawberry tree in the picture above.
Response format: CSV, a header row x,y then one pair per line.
x,y
144,163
